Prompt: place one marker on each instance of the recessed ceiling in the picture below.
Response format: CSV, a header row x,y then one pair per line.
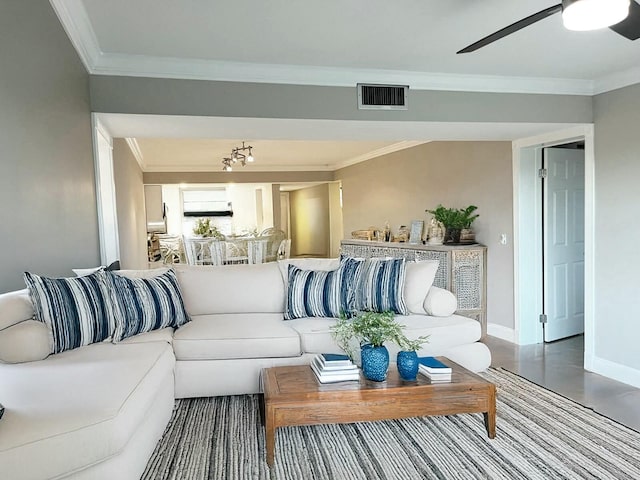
x,y
172,154
342,42
181,143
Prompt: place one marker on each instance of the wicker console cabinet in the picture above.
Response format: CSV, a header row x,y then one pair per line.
x,y
462,269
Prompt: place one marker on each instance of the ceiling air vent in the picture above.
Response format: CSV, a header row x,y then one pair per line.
x,y
382,97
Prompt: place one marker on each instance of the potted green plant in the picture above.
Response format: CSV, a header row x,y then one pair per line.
x,y
371,330
454,220
407,360
205,228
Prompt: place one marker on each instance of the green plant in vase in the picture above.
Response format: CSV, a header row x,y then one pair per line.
x,y
454,220
205,228
407,360
371,330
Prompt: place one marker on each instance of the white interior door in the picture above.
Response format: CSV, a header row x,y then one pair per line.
x,y
563,243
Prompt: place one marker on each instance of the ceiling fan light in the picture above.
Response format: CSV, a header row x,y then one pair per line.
x,y
582,15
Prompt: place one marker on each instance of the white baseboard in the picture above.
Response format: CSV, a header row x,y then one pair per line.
x,y
615,371
501,332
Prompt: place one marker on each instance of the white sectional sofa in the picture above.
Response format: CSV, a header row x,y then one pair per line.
x,y
97,412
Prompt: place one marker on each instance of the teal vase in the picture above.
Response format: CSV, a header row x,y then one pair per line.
x,y
375,362
407,363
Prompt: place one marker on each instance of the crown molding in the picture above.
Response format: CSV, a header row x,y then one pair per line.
x,y
76,23
178,68
377,153
137,153
616,80
215,167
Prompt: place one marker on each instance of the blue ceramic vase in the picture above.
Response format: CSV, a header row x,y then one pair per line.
x,y
375,362
408,365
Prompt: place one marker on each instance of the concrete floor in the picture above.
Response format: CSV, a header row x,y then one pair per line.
x,y
558,366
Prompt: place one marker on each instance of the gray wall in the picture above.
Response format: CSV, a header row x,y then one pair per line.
x,y
399,187
132,228
617,261
47,191
112,94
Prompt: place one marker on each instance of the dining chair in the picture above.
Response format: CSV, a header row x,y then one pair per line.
x,y
284,250
256,250
171,248
217,252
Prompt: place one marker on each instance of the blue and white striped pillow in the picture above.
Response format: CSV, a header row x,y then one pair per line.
x,y
76,309
351,268
380,286
144,304
313,293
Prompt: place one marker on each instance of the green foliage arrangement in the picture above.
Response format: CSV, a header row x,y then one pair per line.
x,y
205,228
455,218
373,328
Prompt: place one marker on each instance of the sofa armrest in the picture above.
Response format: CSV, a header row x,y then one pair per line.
x,y
440,302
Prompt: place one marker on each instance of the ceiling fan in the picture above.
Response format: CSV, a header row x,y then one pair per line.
x,y
621,16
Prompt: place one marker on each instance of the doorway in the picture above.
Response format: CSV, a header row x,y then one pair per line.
x,y
105,194
562,178
528,236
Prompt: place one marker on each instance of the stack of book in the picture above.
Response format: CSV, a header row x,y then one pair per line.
x,y
331,368
434,370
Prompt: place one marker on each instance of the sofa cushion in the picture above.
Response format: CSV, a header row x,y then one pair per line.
x,y
145,304
313,293
231,288
229,336
444,332
77,310
26,341
163,335
78,408
315,336
418,281
380,286
440,302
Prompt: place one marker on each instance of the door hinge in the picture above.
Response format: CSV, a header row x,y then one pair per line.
x,y
543,318
542,173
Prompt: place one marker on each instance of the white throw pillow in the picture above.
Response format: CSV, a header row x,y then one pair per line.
x,y
440,302
320,264
418,281
15,307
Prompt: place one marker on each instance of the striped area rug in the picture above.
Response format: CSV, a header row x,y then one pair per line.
x,y
540,435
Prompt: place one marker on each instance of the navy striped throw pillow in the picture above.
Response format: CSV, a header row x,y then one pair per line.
x,y
380,286
313,293
145,304
350,268
76,309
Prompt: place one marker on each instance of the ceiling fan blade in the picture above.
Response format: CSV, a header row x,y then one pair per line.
x,y
514,27
630,26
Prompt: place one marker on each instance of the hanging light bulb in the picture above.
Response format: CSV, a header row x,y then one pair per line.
x,y
237,155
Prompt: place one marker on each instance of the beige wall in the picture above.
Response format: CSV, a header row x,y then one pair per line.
x,y
399,187
336,233
617,261
132,228
310,221
48,213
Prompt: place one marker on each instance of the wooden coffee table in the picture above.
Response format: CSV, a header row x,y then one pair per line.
x,y
293,396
